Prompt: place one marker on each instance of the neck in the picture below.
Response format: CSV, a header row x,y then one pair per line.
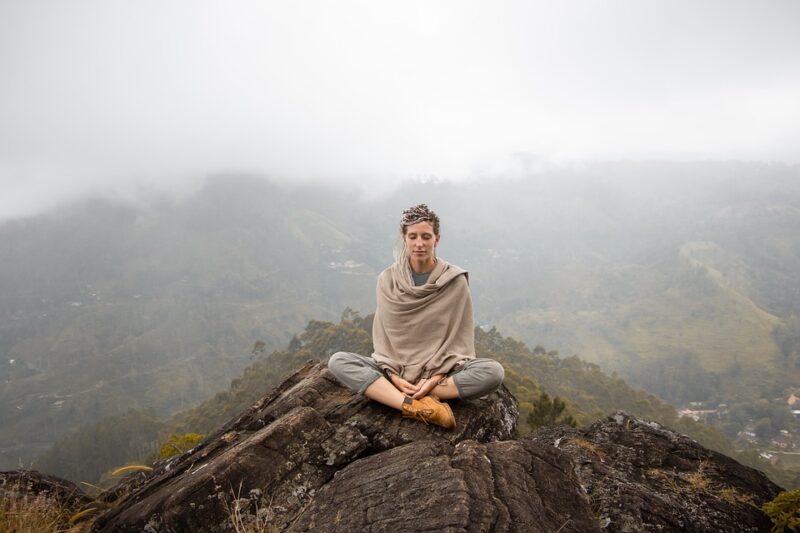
x,y
420,267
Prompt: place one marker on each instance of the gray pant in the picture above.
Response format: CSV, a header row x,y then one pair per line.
x,y
473,379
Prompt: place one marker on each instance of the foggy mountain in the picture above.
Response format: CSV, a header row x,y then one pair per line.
x,y
680,277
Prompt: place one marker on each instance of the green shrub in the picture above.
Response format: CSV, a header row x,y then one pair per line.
x,y
784,511
547,412
178,444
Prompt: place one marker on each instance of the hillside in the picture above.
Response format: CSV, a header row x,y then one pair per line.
x,y
106,307
588,391
680,313
679,277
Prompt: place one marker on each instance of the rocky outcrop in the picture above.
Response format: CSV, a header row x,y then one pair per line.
x,y
270,462
21,482
472,486
312,456
640,476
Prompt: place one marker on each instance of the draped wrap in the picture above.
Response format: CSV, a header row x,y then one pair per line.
x,y
425,330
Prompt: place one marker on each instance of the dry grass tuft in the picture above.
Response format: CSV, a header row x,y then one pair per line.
x,y
89,512
590,447
21,512
698,481
655,472
673,485
734,497
244,521
131,468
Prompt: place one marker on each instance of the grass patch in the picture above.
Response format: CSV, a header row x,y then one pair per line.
x,y
734,497
22,512
245,515
698,480
590,447
693,482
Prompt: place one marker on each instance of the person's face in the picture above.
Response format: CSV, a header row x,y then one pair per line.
x,y
420,242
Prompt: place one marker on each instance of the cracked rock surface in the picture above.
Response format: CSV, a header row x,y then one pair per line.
x,y
472,486
641,476
270,462
312,456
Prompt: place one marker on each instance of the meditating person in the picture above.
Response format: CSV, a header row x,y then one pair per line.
x,y
423,332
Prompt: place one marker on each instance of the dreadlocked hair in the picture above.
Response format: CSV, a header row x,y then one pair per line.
x,y
413,215
419,213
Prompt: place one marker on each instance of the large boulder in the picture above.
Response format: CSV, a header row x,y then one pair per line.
x,y
270,462
641,476
472,486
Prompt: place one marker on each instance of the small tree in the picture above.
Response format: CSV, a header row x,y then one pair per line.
x,y
295,344
547,412
258,347
178,444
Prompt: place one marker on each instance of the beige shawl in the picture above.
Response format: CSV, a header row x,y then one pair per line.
x,y
425,330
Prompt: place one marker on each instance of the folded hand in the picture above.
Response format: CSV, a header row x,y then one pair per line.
x,y
424,386
409,389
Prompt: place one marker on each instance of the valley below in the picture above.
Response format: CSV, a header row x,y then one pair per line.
x,y
680,279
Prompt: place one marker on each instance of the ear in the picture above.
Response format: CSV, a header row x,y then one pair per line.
x,y
437,238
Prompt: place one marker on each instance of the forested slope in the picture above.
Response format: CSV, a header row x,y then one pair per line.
x,y
588,392
679,277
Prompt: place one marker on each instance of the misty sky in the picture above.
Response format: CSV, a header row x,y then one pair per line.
x,y
108,95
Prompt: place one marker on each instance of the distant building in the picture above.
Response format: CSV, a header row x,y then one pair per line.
x,y
747,435
785,441
696,414
688,413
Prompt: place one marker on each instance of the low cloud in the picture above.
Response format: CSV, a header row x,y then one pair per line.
x,y
114,96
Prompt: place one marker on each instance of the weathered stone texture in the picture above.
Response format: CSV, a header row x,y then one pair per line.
x,y
433,486
312,456
19,483
641,476
282,450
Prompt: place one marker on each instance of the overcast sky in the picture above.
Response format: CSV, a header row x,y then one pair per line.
x,y
107,95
